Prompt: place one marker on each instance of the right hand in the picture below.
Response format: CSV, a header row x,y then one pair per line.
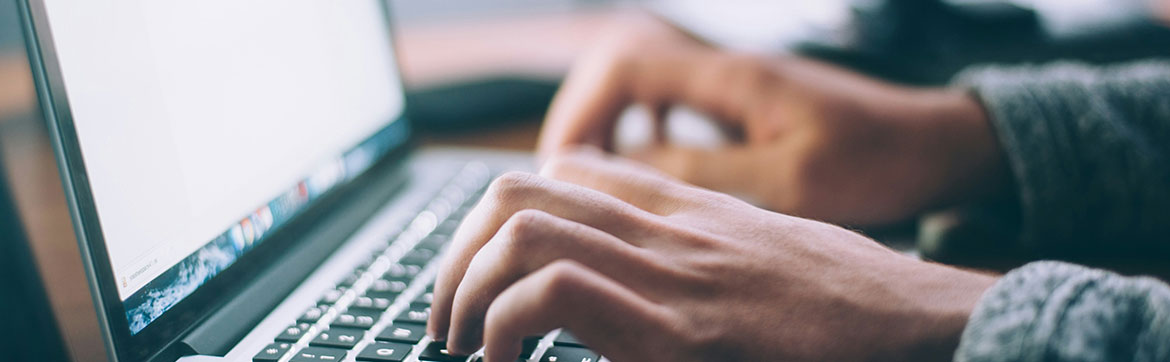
x,y
817,141
642,267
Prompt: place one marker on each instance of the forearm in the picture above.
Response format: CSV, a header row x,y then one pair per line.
x,y
1061,312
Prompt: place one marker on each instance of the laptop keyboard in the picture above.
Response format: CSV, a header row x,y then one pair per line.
x,y
378,313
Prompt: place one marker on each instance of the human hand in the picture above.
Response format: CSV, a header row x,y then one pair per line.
x,y
1162,10
815,140
642,267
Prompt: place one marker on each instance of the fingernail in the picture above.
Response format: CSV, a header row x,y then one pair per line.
x,y
453,347
460,347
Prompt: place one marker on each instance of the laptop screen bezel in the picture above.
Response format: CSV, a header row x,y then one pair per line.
x,y
169,328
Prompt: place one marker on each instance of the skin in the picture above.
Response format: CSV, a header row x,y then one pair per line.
x,y
643,267
1162,10
645,264
814,140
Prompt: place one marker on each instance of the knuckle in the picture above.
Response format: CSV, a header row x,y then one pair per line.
x,y
523,229
495,318
513,179
560,280
699,337
509,186
711,346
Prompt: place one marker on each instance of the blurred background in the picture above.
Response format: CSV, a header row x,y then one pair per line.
x,y
481,73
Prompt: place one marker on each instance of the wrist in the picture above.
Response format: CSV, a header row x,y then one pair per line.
x,y
965,156
945,298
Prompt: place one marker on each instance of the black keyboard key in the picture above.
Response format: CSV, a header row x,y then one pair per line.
x,y
404,279
365,265
343,338
414,315
331,297
445,230
480,359
272,352
313,314
293,333
567,339
423,300
364,311
418,257
318,354
437,351
405,333
384,352
368,303
357,318
402,271
385,289
528,346
569,354
349,280
435,242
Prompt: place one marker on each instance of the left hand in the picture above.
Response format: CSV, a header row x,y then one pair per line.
x,y
642,267
816,140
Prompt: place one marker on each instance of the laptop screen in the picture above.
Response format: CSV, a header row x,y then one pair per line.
x,y
205,125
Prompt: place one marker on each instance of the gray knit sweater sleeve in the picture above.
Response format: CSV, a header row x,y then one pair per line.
x,y
1089,149
1090,152
1051,311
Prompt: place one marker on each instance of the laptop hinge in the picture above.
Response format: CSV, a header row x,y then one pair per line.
x,y
220,331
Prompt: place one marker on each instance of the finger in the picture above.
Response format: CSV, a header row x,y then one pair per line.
x,y
635,183
511,193
602,85
607,316
727,169
529,241
586,107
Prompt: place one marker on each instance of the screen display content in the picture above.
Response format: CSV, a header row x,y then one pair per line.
x,y
205,125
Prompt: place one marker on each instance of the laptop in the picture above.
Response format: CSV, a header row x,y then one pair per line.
x,y
243,180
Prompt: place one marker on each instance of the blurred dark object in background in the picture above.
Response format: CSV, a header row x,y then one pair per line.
x,y
30,330
482,102
928,41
